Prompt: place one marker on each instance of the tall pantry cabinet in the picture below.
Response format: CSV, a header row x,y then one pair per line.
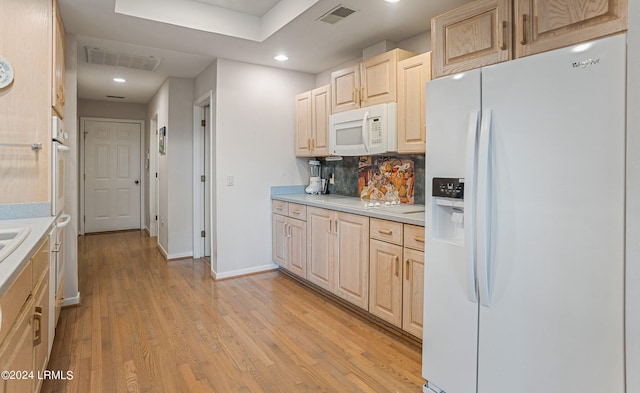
x,y
26,28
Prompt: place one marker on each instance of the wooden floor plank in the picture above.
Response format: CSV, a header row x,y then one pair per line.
x,y
151,326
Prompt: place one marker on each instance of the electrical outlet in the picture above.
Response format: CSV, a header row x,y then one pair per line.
x,y
332,179
230,181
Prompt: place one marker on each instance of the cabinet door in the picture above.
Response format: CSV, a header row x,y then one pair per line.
x,y
379,77
385,288
297,255
303,124
345,89
543,25
17,353
320,247
471,36
413,75
320,111
279,239
41,329
413,292
57,90
351,249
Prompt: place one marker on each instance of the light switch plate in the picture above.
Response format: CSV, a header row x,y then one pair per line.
x,y
230,181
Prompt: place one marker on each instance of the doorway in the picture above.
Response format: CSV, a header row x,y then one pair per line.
x,y
204,178
111,181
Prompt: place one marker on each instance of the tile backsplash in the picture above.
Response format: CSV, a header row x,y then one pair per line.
x,y
355,174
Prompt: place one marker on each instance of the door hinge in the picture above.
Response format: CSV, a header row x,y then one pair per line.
x,y
156,217
156,174
203,178
84,218
202,234
203,122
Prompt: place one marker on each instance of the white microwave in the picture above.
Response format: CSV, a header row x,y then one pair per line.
x,y
364,131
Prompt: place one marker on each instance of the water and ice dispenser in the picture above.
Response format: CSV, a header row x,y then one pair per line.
x,y
448,209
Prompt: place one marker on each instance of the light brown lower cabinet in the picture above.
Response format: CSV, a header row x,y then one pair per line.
x,y
338,254
385,290
289,237
413,292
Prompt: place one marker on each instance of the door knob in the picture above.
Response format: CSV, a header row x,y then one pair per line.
x,y
136,182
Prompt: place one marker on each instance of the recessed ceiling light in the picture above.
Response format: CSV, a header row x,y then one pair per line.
x,y
281,58
392,1
119,80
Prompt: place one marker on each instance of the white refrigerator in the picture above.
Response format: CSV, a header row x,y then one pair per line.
x,y
524,276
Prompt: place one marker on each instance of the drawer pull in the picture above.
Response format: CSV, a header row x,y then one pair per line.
x,y
37,318
279,207
385,231
419,239
296,212
407,270
397,259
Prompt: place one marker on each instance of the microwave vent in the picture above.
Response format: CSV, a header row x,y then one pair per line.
x,y
136,62
336,15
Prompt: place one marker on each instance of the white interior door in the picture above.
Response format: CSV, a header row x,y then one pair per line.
x,y
112,175
206,194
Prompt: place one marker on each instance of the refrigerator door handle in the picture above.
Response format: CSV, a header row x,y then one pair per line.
x,y
483,224
471,172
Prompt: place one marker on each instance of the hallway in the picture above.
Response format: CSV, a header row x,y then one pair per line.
x,y
148,325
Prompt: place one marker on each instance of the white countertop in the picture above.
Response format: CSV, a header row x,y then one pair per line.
x,y
13,264
408,214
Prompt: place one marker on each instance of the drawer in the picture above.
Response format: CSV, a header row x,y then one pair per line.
x,y
14,298
298,211
41,261
387,231
280,207
414,237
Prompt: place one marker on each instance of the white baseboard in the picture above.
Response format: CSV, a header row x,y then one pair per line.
x,y
186,254
242,272
71,301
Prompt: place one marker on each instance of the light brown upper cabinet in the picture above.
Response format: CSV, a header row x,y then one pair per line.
x,y
543,25
368,83
57,88
473,35
413,75
482,32
312,122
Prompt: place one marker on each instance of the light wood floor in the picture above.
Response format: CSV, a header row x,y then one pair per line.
x,y
148,325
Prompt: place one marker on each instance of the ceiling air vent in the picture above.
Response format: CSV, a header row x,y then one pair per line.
x,y
336,15
118,97
99,56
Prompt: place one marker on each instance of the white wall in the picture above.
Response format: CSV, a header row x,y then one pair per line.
x,y
112,110
179,168
254,144
206,81
71,173
159,105
633,198
173,104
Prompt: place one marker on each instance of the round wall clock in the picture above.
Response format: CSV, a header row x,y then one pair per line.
x,y
6,73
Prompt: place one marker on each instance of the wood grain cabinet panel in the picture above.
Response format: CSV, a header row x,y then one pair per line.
x,y
413,75
279,240
385,293
413,291
471,36
345,89
320,270
303,125
312,122
289,237
351,250
543,25
58,70
16,353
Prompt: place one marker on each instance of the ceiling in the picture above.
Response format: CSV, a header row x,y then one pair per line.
x,y
188,35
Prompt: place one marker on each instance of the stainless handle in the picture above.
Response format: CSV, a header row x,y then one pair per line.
x,y
284,230
330,226
337,231
289,226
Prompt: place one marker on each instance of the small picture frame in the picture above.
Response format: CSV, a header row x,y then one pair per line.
x,y
162,143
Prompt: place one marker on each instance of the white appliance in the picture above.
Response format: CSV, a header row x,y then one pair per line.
x,y
315,181
364,131
58,155
524,279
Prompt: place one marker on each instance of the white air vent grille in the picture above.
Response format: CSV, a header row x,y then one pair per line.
x,y
99,56
336,15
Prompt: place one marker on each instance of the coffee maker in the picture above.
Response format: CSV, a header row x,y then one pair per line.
x,y
315,182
